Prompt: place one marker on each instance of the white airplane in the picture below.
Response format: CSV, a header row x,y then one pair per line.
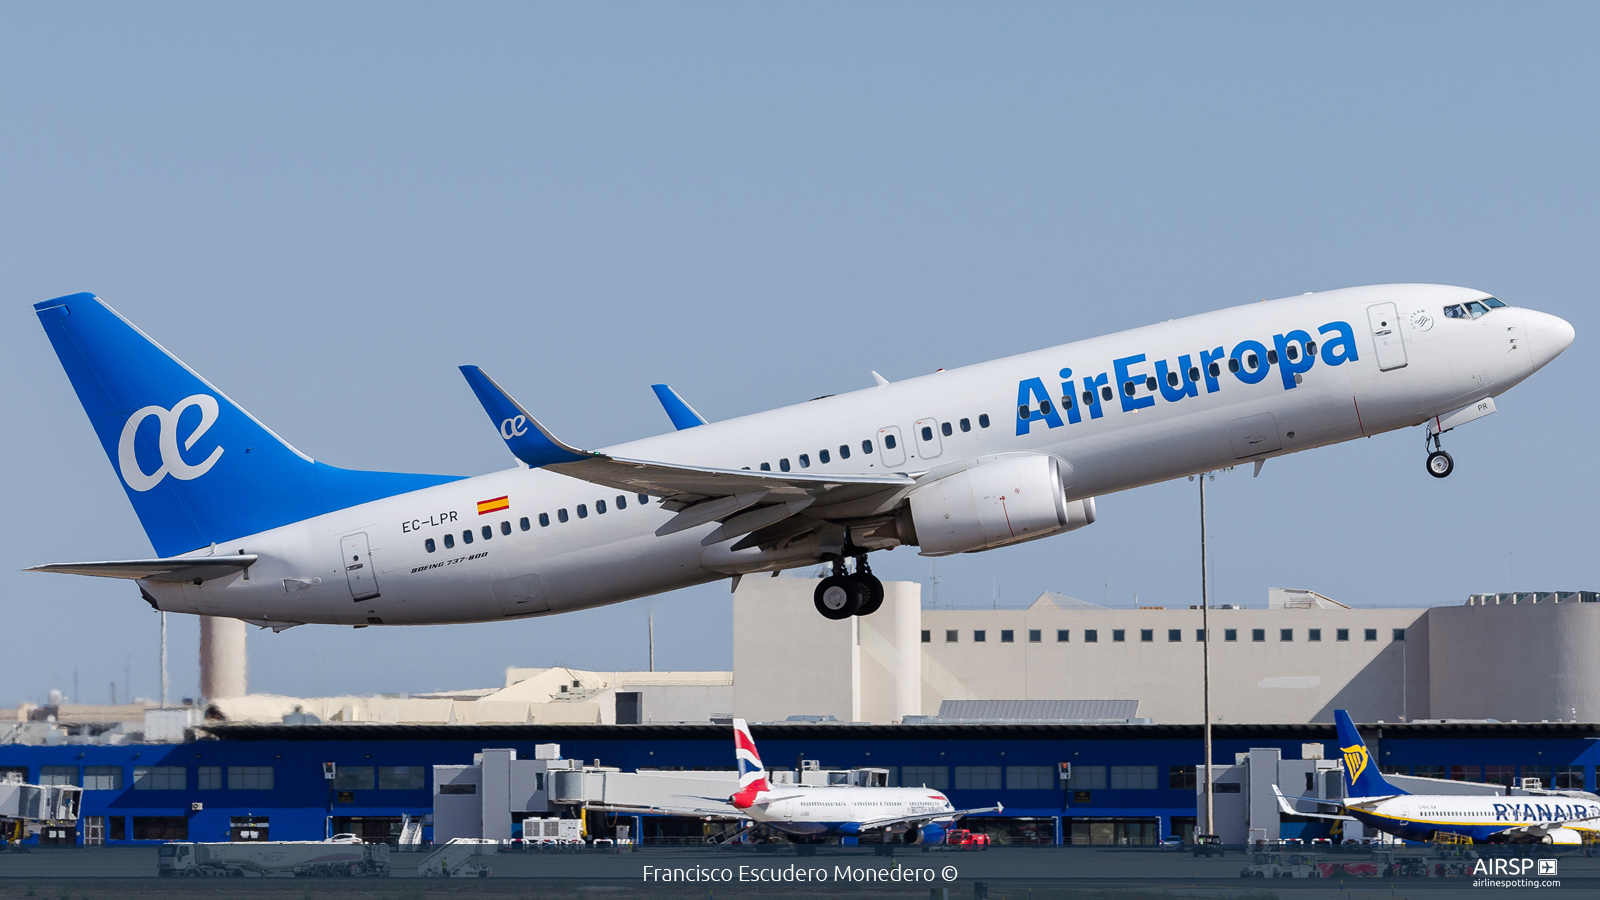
x,y
1550,817
919,815
993,454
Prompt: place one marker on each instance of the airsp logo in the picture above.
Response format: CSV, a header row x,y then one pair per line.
x,y
1355,761
516,426
172,461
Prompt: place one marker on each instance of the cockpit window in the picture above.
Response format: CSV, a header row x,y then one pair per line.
x,y
1477,309
1455,312
1492,303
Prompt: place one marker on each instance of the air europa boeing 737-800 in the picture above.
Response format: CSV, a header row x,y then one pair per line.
x,y
993,454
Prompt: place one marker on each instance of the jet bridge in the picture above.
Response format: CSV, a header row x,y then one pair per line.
x,y
28,809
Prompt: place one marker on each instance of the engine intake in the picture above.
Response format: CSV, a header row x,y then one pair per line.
x,y
1007,500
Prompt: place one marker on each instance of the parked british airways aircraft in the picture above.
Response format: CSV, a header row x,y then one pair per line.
x,y
919,815
993,454
1549,817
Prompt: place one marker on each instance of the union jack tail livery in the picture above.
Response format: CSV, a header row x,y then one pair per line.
x,y
752,774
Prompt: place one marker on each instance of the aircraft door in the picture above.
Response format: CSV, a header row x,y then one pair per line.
x,y
521,596
891,449
358,568
1384,321
1254,435
927,434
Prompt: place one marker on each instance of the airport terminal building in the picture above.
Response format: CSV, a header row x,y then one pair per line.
x,y
1080,720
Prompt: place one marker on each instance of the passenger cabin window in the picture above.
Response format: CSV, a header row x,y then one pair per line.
x,y
766,467
622,502
805,460
488,532
544,520
1214,369
927,433
429,545
583,510
823,457
1107,393
784,464
866,447
449,541
1272,357
966,425
945,429
1066,401
561,514
844,451
1233,364
983,420
600,507
466,536
644,499
526,524
1150,383
888,441
505,527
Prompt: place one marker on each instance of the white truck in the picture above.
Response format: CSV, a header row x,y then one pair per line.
x,y
273,858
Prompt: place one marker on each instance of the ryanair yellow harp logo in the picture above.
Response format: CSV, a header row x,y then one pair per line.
x,y
1355,761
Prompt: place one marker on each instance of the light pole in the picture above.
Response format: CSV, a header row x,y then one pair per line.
x,y
1205,652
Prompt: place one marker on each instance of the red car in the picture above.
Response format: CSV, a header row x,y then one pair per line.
x,y
961,837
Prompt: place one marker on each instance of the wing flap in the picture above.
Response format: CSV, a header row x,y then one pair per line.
x,y
173,569
929,817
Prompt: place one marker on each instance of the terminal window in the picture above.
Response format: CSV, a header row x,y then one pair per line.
x,y
927,636
1061,635
250,778
1133,778
1030,778
1569,778
977,778
400,778
1466,773
1372,634
160,778
1181,778
353,778
1258,634
1341,634
1286,634
980,636
102,778
1313,634
1007,636
1399,634
1035,635
1091,636
1118,635
951,636
1146,635
1088,778
58,775
1174,634
1230,634
936,777
208,778
1200,634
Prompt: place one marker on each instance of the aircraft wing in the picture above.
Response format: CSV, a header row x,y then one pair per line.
x,y
928,817
699,494
1537,830
1288,810
723,812
176,569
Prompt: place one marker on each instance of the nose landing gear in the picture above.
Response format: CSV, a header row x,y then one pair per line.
x,y
1439,462
842,595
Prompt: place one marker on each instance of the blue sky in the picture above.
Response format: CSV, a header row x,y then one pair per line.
x,y
325,208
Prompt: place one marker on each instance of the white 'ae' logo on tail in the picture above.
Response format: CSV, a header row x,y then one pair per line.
x,y
516,426
172,461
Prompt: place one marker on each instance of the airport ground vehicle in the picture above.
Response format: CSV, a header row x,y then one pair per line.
x,y
961,837
261,858
1282,865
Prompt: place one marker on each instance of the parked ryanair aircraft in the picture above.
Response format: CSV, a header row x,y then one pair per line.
x,y
1538,816
246,526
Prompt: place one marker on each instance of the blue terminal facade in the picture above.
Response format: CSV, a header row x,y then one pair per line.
x,y
267,781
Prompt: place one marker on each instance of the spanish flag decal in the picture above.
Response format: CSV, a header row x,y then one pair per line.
x,y
488,506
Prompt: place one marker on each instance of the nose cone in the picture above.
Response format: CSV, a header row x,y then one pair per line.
x,y
1547,336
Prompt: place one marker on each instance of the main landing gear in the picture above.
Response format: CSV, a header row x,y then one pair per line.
x,y
842,595
1439,463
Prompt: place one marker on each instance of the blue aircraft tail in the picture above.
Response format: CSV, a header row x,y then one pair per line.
x,y
1361,775
198,469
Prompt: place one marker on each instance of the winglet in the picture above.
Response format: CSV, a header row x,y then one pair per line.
x,y
528,440
879,378
682,414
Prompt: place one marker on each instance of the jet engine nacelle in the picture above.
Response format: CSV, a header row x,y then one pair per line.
x,y
1006,500
931,833
1563,836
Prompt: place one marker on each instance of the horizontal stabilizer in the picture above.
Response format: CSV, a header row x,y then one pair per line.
x,y
1286,809
175,569
682,414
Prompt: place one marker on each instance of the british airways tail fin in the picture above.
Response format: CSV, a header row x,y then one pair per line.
x,y
198,469
752,774
1361,775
